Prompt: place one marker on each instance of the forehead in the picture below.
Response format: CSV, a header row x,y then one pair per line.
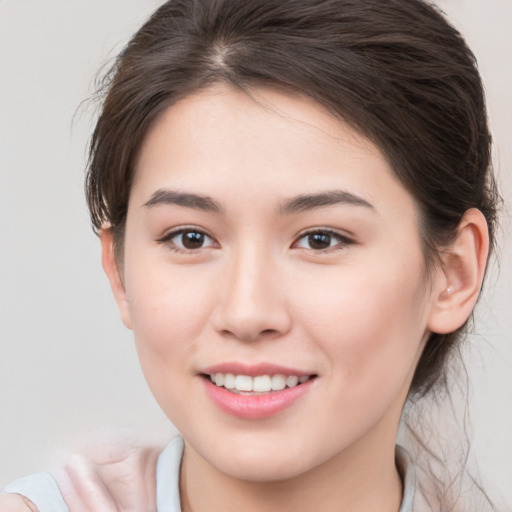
x,y
263,141
254,119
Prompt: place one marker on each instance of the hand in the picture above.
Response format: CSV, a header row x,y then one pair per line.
x,y
113,472
118,476
16,503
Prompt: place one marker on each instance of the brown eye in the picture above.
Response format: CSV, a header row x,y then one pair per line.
x,y
188,240
192,240
319,240
322,240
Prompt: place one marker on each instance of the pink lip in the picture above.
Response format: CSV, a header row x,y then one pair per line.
x,y
254,407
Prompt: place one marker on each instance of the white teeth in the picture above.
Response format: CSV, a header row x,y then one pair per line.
x,y
278,382
262,383
292,381
243,383
229,381
258,384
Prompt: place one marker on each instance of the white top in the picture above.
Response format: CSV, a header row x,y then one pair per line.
x,y
43,490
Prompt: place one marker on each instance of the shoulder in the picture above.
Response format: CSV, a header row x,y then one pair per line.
x,y
102,489
40,488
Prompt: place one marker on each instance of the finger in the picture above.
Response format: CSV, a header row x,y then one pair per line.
x,y
16,503
132,481
83,489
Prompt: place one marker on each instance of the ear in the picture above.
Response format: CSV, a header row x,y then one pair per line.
x,y
459,281
108,260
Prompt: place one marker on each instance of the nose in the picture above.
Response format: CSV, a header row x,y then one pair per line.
x,y
252,298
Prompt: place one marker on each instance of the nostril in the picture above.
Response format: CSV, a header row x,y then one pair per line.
x,y
248,320
254,335
269,332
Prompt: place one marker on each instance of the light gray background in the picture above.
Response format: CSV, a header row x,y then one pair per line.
x,y
67,365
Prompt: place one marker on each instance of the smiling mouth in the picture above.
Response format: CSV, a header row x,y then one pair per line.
x,y
259,384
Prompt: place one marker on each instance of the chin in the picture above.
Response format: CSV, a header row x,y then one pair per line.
x,y
262,469
258,460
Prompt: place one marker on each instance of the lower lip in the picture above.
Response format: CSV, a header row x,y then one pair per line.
x,y
255,407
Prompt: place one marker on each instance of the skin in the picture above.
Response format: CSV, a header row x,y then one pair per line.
x,y
357,314
109,475
16,503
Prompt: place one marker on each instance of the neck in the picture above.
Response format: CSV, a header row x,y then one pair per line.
x,y
363,477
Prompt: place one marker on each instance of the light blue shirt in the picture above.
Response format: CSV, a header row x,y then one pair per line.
x,y
43,490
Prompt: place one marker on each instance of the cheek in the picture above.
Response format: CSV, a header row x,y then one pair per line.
x,y
169,312
169,308
369,320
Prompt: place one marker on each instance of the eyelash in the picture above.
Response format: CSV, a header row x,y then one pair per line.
x,y
342,240
167,239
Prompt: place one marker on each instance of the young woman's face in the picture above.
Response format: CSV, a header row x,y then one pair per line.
x,y
267,243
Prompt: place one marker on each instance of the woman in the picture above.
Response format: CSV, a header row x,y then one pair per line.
x,y
295,210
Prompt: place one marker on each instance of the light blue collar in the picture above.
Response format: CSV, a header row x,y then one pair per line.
x,y
168,472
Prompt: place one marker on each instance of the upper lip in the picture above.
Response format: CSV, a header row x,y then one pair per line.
x,y
253,370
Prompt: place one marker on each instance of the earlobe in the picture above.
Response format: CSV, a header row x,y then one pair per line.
x,y
460,278
111,268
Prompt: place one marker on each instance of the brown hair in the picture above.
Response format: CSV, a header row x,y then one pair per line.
x,y
396,71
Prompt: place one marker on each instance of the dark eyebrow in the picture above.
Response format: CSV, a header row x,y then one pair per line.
x,y
318,200
187,199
